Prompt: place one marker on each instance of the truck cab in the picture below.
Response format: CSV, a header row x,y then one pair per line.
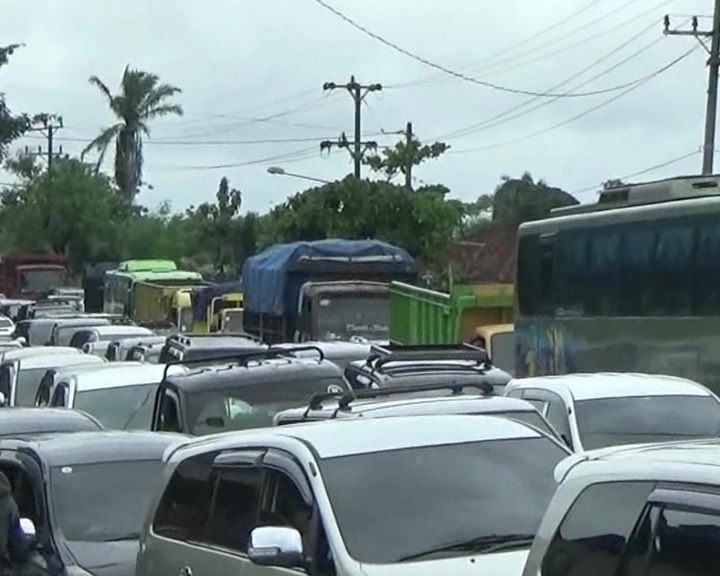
x,y
31,275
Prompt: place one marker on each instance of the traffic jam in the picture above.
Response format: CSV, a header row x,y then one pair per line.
x,y
326,413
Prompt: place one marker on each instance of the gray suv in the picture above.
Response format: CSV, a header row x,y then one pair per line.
x,y
420,495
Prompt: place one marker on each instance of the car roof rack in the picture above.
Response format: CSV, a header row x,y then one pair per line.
x,y
381,355
187,335
243,357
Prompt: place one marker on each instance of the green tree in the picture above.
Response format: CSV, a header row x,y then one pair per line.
x,y
11,126
142,98
75,213
423,221
217,225
403,157
522,199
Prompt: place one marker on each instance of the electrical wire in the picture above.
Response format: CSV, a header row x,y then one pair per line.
x,y
584,113
287,157
456,74
507,115
644,171
503,63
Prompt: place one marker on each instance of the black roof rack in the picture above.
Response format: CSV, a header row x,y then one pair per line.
x,y
381,355
347,398
188,335
243,357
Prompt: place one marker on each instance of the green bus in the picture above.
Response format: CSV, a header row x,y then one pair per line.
x,y
629,284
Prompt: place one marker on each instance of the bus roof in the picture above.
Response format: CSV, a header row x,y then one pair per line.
x,y
155,276
133,266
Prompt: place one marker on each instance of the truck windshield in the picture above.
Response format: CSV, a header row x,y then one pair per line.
x,y
41,279
341,317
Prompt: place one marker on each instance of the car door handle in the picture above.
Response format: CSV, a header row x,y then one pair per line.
x,y
186,571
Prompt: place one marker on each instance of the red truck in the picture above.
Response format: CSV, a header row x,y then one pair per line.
x,y
31,275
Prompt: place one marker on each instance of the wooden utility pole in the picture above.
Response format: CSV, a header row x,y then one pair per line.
x,y
47,124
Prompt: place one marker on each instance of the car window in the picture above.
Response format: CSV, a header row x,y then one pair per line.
x,y
674,541
120,408
184,507
117,490
169,413
234,508
502,345
530,417
491,491
591,537
557,415
28,383
59,396
646,419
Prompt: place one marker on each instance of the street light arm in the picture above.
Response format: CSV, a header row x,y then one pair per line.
x,y
278,171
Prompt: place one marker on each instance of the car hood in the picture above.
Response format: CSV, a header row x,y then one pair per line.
x,y
106,558
497,564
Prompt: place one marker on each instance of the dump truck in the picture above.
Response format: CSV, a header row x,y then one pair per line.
x,y
209,302
323,290
31,275
480,314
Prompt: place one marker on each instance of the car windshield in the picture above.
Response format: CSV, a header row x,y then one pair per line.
x,y
106,501
41,280
253,406
120,408
502,345
65,334
401,504
340,317
645,419
530,417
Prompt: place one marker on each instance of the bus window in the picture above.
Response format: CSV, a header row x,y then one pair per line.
x,y
603,286
637,268
571,273
707,276
674,263
528,275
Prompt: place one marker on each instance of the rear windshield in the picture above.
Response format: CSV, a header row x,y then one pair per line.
x,y
646,419
530,417
121,408
253,406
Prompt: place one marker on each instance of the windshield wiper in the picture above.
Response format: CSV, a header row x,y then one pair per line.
x,y
484,544
130,536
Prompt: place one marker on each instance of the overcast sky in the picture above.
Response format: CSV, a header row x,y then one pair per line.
x,y
253,71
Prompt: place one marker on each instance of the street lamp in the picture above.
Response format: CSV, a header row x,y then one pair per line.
x,y
279,171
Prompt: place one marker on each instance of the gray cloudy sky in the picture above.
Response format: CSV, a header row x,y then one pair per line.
x,y
253,71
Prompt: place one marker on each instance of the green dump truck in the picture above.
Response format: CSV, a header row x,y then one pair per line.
x,y
480,313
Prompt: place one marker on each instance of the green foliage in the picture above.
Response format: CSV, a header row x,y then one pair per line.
x,y
401,158
11,126
73,213
142,98
423,221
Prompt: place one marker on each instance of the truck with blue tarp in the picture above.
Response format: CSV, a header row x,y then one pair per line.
x,y
323,290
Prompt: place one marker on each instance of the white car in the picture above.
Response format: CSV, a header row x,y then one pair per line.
x,y
633,510
606,409
408,496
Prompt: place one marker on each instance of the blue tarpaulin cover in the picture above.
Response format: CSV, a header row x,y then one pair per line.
x,y
265,275
202,297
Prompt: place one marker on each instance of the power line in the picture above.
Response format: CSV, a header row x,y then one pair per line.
x,y
288,157
454,73
582,114
505,116
644,171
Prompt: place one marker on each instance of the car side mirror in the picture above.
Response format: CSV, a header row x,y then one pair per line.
x,y
278,546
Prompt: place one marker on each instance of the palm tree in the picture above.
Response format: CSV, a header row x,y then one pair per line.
x,y
142,98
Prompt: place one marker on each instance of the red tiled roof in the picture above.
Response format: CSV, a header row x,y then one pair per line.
x,y
487,255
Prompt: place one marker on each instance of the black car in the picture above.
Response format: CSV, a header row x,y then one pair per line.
x,y
242,391
389,366
85,496
198,347
16,422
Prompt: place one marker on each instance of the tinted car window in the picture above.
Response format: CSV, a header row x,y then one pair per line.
x,y
252,406
115,497
592,536
490,490
121,408
28,384
615,421
532,418
81,337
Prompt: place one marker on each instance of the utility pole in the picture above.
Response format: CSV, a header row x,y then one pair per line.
x,y
408,155
46,124
358,92
713,66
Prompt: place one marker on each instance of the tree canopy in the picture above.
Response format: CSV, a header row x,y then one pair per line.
x,y
12,126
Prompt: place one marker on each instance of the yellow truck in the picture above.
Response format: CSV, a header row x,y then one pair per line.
x,y
163,303
480,313
209,303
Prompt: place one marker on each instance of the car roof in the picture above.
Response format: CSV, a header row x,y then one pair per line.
x,y
331,349
70,371
96,447
135,340
120,330
213,341
354,436
416,406
80,322
22,353
611,385
59,361
233,375
117,375
42,420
